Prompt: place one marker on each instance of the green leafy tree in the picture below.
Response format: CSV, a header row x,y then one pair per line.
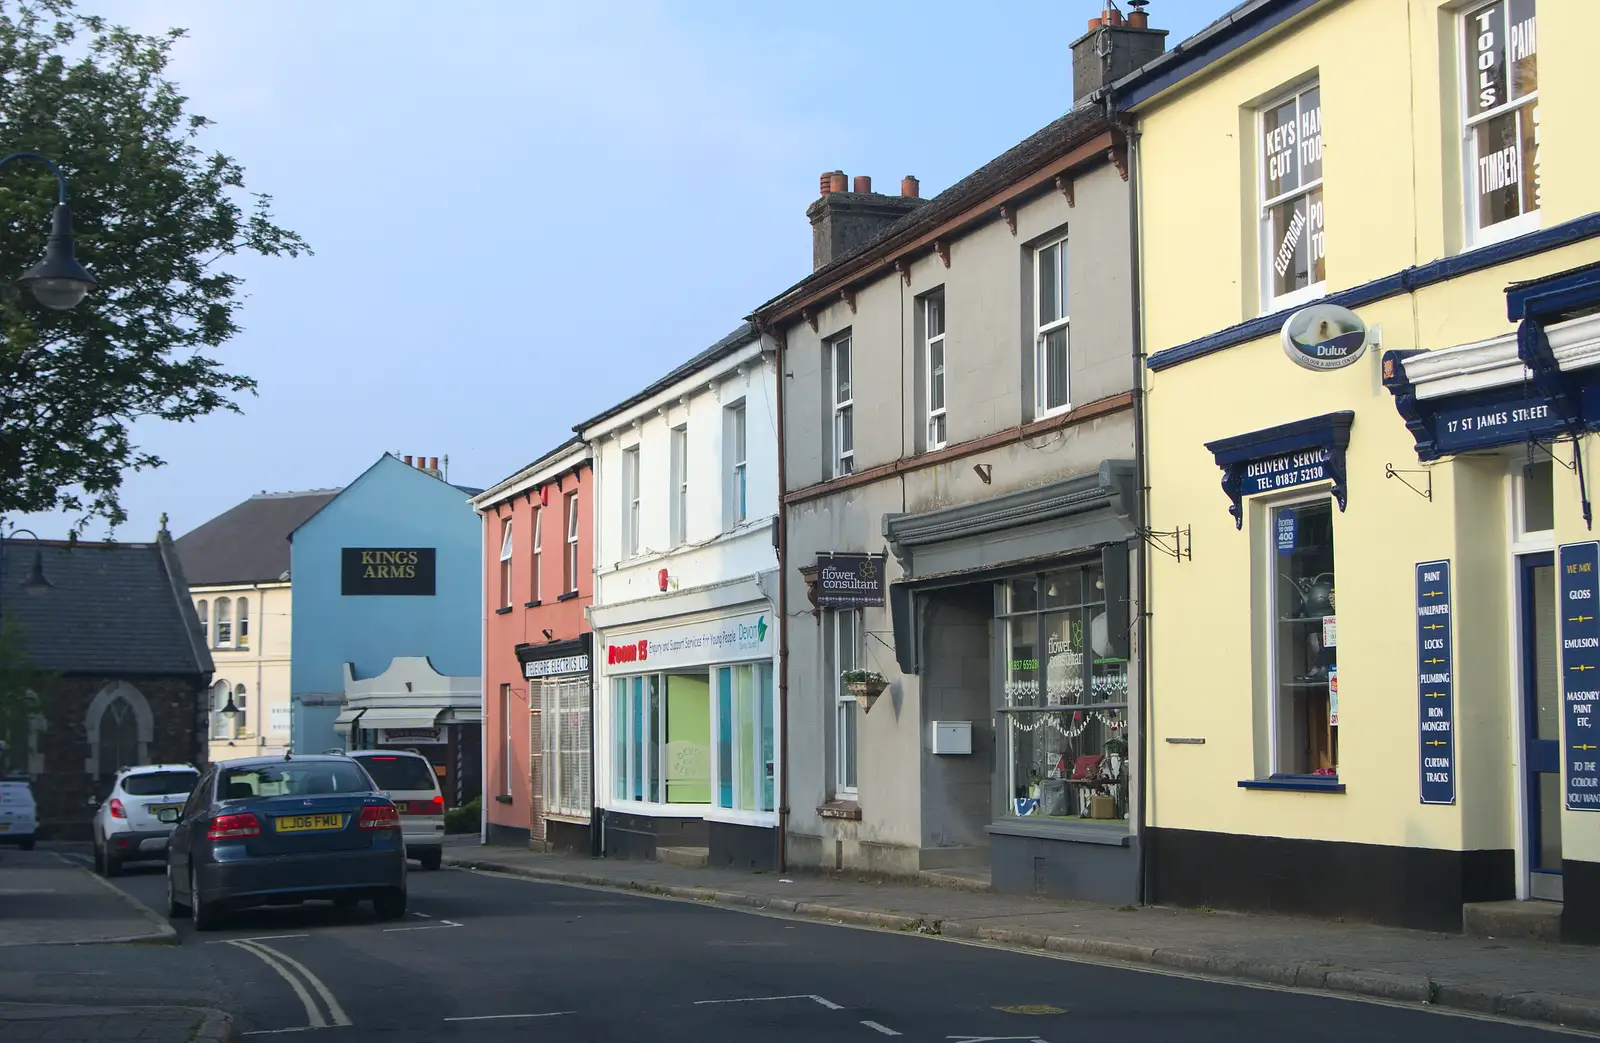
x,y
157,220
22,692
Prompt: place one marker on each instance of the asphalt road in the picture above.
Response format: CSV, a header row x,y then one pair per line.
x,y
491,959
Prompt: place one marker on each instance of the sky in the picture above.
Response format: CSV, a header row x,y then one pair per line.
x,y
522,212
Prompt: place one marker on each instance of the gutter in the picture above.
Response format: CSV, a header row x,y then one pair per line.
x,y
780,344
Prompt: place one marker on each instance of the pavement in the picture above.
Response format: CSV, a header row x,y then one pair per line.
x,y
50,1023
48,897
1543,983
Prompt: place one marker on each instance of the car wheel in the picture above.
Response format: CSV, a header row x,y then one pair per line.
x,y
27,845
391,905
432,858
204,916
99,858
110,865
175,908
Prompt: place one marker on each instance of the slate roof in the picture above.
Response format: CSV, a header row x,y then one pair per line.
x,y
248,543
118,609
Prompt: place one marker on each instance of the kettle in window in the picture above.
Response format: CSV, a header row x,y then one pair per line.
x,y
1310,596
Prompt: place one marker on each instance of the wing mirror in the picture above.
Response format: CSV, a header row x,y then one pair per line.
x,y
169,816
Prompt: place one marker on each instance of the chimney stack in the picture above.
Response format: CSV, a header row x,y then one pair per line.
x,y
1113,47
842,220
910,187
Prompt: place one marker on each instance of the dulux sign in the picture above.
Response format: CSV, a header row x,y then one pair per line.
x,y
1324,337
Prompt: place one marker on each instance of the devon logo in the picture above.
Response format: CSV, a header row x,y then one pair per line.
x,y
761,629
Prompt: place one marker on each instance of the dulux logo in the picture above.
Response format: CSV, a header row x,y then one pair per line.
x,y
1324,336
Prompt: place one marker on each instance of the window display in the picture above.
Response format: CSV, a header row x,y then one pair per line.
x,y
1065,700
1305,641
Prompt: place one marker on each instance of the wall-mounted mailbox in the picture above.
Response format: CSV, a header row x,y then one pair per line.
x,y
952,738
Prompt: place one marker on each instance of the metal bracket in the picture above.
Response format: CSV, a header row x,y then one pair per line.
x,y
1179,543
1389,471
1549,450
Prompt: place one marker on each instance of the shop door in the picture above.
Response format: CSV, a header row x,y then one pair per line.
x,y
1541,715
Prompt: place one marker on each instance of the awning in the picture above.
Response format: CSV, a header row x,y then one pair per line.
x,y
347,719
399,717
462,715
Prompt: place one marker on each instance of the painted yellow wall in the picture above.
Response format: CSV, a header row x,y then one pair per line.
x,y
1392,163
263,667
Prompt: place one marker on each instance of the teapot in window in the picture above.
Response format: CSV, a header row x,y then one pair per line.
x,y
1310,596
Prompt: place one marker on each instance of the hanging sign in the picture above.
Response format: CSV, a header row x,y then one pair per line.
x,y
850,580
1324,336
387,570
1580,674
1436,683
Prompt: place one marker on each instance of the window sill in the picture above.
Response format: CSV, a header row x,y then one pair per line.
x,y
1297,299
848,810
568,596
532,604
503,610
1111,835
1299,783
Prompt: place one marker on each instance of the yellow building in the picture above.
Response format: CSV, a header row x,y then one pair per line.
x,y
237,567
1370,657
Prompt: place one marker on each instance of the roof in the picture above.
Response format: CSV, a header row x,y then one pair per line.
x,y
1238,27
334,494
1015,163
116,609
721,349
510,485
249,543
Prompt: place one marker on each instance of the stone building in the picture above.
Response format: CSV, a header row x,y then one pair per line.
x,y
123,669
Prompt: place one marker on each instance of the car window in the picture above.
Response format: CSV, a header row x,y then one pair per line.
x,y
15,793
393,772
199,798
159,783
292,779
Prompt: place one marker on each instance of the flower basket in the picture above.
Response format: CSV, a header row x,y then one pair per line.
x,y
866,686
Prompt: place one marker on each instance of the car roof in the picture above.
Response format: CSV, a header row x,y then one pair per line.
x,y
145,769
264,762
385,753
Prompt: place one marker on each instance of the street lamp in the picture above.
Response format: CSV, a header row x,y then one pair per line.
x,y
36,583
58,281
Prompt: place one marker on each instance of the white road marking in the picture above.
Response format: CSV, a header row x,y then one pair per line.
x,y
995,1039
886,1030
825,1003
769,999
500,1017
313,1014
259,938
277,1032
335,1012
442,925
425,916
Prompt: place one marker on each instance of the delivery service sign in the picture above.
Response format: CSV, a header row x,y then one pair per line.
x,y
726,640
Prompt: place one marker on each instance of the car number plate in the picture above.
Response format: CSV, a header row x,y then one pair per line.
x,y
156,809
5,827
402,806
307,823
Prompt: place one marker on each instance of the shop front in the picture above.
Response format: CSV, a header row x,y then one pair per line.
x,y
413,707
560,708
1014,612
686,716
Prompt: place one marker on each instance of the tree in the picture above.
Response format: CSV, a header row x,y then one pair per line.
x,y
156,219
22,688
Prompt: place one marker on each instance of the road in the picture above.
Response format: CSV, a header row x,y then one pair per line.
x,y
489,959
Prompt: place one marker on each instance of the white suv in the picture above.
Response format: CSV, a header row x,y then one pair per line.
x,y
126,826
409,780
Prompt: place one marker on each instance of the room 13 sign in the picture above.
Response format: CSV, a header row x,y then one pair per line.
x,y
388,570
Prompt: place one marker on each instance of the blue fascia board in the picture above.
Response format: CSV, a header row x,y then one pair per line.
x,y
1301,783
1160,75
1408,280
1562,295
1330,431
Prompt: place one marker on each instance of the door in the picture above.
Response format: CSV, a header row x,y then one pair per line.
x,y
1541,716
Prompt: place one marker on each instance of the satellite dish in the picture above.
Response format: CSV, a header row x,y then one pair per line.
x,y
1324,336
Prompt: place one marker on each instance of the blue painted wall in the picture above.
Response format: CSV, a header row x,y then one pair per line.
x,y
391,505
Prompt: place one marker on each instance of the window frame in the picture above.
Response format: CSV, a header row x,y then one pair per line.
x,y
935,416
222,609
844,702
571,559
1322,494
221,727
738,503
842,409
241,700
631,480
678,521
241,623
645,747
538,551
565,740
506,553
1042,329
748,763
507,750
202,608
1476,234
1271,303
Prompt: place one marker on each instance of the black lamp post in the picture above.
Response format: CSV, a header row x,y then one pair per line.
x,y
58,281
36,583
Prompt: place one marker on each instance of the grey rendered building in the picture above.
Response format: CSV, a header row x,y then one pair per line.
x,y
958,418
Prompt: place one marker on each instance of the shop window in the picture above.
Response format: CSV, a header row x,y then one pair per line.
x,y
1500,110
203,610
933,369
224,628
1051,330
536,557
661,731
505,564
680,485
745,764
842,396
565,738
844,637
570,561
1293,263
242,635
1065,712
735,494
630,502
1305,672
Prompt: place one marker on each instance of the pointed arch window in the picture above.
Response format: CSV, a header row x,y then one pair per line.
x,y
119,737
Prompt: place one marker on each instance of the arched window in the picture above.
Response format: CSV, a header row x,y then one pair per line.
x,y
119,737
220,726
224,623
203,610
240,702
243,611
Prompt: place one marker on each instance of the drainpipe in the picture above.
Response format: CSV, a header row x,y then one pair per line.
x,y
779,344
483,678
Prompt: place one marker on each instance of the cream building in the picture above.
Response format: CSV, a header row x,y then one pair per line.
x,y
237,565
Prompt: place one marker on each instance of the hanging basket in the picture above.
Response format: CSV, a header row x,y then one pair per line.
x,y
866,692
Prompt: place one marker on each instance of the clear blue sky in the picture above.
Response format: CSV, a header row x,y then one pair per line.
x,y
523,212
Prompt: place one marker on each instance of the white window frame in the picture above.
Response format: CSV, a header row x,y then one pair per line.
x,y
747,763
221,727
223,608
1265,204
241,702
1318,494
1529,221
738,503
844,460
844,702
653,770
202,608
1042,329
630,501
571,563
538,551
506,748
506,550
679,521
241,623
1523,539
937,427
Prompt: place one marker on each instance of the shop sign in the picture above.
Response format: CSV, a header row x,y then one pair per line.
x,y
850,580
1580,674
1436,683
388,570
1513,417
409,735
1301,452
1324,337
571,664
1286,471
716,641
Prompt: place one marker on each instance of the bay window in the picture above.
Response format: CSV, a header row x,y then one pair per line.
x,y
1500,118
1293,261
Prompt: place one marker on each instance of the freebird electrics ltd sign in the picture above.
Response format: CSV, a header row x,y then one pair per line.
x,y
388,570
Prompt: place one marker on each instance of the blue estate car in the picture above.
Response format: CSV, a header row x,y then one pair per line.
x,y
280,831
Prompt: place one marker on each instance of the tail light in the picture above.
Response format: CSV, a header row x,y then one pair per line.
x,y
437,804
225,827
379,816
117,810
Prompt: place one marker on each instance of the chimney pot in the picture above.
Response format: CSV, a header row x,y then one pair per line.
x,y
1115,45
408,461
1094,23
827,182
837,182
863,184
910,186
433,463
1139,20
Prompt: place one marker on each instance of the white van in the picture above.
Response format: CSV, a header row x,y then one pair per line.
x,y
408,779
19,815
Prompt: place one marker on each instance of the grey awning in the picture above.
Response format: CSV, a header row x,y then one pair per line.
x,y
347,719
400,717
